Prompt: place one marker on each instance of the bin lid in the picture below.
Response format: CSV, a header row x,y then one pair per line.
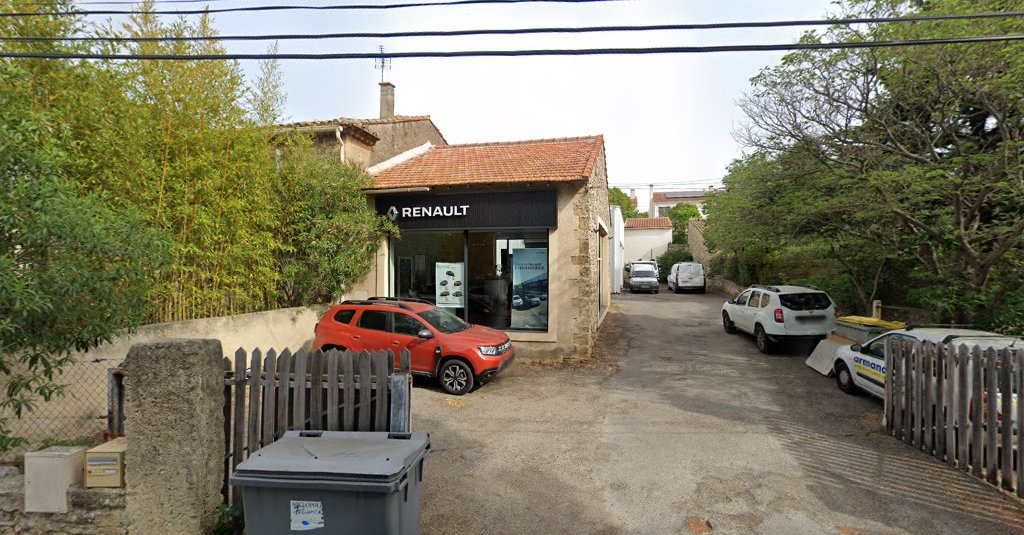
x,y
337,455
872,322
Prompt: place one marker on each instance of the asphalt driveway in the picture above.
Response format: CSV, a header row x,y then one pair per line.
x,y
675,420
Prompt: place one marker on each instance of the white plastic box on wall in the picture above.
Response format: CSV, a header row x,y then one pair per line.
x,y
48,475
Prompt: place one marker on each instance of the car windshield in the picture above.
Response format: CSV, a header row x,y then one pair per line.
x,y
444,321
689,269
643,272
805,301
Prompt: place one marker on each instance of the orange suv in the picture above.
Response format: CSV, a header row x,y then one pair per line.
x,y
460,355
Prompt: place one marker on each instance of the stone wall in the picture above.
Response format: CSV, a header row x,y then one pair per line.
x,y
396,137
590,207
174,422
699,250
92,512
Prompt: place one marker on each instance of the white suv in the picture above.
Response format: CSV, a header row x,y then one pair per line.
x,y
772,313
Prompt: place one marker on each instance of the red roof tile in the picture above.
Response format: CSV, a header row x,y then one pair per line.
x,y
679,196
649,222
342,121
532,161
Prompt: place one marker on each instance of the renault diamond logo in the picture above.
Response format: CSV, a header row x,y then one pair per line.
x,y
392,213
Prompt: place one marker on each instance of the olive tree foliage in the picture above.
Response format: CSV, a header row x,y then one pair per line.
x,y
74,270
912,154
330,233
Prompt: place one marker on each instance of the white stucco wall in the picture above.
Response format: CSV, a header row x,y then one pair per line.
x,y
646,244
618,249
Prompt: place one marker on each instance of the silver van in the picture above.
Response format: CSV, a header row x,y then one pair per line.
x,y
643,277
687,276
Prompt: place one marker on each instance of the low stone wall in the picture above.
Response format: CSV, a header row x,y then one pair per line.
x,y
92,512
82,411
723,286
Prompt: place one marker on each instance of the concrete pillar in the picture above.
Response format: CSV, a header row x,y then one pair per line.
x,y
387,100
174,423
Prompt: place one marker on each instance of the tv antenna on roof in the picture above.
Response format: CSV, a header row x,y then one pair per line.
x,y
383,62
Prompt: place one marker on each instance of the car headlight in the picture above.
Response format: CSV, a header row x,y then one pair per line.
x,y
489,350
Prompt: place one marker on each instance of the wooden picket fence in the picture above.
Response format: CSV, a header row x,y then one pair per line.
x,y
310,390
957,403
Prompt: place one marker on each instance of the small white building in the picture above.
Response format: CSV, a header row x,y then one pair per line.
x,y
618,249
663,201
647,238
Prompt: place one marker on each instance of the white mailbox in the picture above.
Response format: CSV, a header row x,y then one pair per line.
x,y
48,475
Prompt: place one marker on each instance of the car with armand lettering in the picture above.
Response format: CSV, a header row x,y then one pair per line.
x,y
459,355
863,367
774,314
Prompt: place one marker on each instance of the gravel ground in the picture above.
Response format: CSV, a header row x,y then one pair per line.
x,y
675,420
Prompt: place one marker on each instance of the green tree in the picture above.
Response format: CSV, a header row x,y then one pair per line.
x,y
330,234
669,259
73,269
619,198
907,154
681,214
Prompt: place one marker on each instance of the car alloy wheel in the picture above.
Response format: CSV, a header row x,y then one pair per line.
x,y
456,377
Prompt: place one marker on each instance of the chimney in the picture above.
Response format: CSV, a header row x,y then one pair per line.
x,y
651,210
387,100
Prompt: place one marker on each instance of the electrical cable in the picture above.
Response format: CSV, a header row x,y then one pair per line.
x,y
524,53
334,7
520,31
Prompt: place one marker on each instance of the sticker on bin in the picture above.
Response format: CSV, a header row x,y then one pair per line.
x,y
307,515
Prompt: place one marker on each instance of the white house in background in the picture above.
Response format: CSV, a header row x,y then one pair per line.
x,y
618,249
663,201
647,238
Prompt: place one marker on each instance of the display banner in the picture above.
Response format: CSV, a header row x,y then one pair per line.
x,y
450,284
529,288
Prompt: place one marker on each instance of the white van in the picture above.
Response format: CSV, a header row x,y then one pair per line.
x,y
687,276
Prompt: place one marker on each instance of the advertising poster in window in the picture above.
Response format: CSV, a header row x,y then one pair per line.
x,y
530,289
450,287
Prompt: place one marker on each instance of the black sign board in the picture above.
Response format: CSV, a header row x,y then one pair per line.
x,y
460,211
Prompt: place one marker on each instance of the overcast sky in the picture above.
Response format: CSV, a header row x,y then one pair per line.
x,y
666,118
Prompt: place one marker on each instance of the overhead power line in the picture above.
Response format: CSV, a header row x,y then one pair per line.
x,y
523,53
521,31
333,7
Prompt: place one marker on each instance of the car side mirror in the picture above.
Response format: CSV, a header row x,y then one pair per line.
x,y
857,348
425,334
731,302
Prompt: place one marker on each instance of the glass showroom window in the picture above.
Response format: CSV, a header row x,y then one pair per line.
x,y
422,261
508,279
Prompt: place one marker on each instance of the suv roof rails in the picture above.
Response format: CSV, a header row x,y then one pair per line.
x,y
377,302
765,287
400,299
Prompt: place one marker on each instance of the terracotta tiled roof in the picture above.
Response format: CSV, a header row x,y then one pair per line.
x,y
342,121
532,161
700,224
679,196
649,222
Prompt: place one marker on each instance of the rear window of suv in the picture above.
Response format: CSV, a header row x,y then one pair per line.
x,y
805,301
344,316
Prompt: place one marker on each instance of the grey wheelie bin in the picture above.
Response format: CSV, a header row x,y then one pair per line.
x,y
334,482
